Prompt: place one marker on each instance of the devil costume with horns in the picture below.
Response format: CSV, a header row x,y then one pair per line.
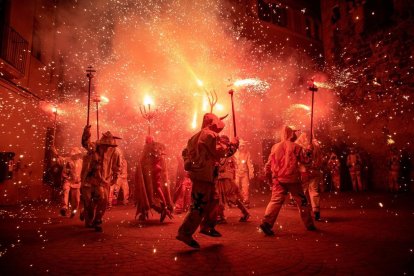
x,y
152,185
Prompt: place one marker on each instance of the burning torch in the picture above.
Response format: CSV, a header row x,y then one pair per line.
x,y
89,74
313,89
146,113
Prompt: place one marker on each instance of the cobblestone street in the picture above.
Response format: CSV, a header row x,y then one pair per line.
x,y
366,234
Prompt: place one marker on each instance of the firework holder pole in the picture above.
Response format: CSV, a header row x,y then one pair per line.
x,y
231,92
97,100
89,74
147,115
54,127
313,89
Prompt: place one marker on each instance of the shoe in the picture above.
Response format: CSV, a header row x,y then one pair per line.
x,y
266,228
73,213
97,225
163,215
188,241
244,218
311,227
211,232
63,212
317,216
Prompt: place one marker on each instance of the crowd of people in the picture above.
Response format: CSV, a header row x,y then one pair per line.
x,y
213,173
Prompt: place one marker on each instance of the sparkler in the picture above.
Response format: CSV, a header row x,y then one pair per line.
x,y
254,83
89,74
147,114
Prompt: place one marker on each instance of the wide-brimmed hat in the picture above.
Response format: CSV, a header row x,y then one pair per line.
x,y
108,139
75,151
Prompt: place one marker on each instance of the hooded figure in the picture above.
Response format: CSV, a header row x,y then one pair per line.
x,y
283,164
201,158
182,194
227,189
152,185
71,178
311,174
244,171
394,166
122,183
100,170
334,166
354,163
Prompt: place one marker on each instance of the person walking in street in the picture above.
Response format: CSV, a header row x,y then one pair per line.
x,y
71,176
99,172
201,158
283,166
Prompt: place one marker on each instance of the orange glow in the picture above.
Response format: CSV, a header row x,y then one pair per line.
x,y
148,100
194,122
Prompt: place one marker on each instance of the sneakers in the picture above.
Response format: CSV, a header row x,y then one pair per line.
x,y
188,241
267,229
244,218
317,216
164,213
97,225
63,212
211,232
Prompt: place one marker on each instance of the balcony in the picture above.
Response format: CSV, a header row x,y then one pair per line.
x,y
13,52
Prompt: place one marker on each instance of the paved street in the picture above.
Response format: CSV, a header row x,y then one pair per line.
x,y
361,234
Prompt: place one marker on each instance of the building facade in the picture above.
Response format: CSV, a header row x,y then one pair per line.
x,y
28,88
373,42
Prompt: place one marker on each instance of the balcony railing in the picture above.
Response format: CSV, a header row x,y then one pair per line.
x,y
14,48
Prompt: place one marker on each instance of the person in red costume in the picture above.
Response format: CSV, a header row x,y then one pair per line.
x,y
227,188
201,159
152,184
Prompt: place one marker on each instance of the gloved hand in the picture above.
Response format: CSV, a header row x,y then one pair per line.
x,y
235,142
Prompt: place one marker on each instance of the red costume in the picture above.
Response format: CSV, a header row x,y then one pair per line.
x,y
152,185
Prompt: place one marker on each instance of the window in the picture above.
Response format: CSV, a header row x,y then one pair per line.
x,y
36,41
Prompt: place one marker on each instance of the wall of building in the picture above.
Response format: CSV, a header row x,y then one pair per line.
x,y
373,42
25,109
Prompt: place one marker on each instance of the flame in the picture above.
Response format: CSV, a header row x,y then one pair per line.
x,y
323,85
54,109
250,82
206,104
194,122
148,100
104,99
301,106
200,82
219,107
390,141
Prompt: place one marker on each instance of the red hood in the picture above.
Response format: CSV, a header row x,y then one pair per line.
x,y
212,122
